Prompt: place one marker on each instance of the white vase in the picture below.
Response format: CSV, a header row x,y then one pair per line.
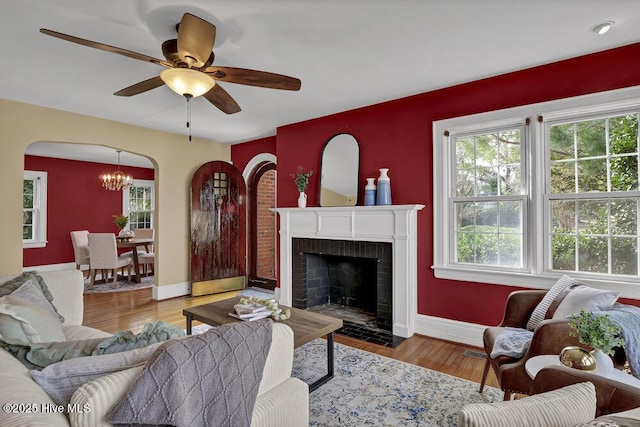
x,y
383,195
604,364
302,200
125,233
370,192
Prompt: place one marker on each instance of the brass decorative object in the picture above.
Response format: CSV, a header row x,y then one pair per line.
x,y
577,358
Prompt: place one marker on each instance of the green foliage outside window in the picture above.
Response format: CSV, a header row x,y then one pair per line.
x,y
596,235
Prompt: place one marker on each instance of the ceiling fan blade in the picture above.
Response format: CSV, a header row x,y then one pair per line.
x,y
244,76
195,40
144,86
106,47
221,99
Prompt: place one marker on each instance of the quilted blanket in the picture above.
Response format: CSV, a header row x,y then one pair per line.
x,y
211,379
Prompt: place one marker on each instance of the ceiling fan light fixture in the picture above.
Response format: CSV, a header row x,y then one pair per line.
x,y
185,81
602,27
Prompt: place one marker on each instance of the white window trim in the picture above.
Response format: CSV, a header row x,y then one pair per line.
x,y
40,200
534,276
140,183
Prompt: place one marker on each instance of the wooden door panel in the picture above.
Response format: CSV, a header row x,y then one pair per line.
x,y
218,235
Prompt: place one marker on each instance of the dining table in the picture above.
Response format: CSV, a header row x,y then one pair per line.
x,y
133,243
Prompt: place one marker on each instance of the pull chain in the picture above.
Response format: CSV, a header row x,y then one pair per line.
x,y
188,98
189,118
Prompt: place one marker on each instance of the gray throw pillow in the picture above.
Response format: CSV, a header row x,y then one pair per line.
x,y
24,322
62,379
9,286
32,293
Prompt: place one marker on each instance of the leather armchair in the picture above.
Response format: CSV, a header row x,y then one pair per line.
x,y
612,396
550,337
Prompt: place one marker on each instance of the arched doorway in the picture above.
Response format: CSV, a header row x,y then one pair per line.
x,y
262,227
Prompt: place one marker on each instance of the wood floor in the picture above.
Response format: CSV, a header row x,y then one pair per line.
x,y
118,311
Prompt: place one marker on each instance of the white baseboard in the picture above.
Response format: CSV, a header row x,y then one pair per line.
x,y
170,291
450,330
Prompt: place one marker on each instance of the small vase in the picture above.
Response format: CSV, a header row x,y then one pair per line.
x,y
370,192
302,200
383,196
604,364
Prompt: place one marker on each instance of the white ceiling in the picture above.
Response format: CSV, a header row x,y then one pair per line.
x,y
348,53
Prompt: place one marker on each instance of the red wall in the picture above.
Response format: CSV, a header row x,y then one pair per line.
x,y
76,200
398,135
241,154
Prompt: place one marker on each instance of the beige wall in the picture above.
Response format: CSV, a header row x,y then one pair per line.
x,y
175,157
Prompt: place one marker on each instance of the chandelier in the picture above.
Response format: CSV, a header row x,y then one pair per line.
x,y
117,180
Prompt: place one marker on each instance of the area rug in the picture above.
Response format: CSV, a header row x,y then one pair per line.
x,y
372,390
122,285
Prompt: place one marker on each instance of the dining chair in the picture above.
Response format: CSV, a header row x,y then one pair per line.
x,y
145,259
141,233
80,242
103,255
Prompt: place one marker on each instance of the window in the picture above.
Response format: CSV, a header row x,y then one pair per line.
x,y
138,202
524,195
592,192
488,198
34,209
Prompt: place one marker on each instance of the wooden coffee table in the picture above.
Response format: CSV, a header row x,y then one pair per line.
x,y
306,326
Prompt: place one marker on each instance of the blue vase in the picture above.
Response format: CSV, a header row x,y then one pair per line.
x,y
370,192
383,196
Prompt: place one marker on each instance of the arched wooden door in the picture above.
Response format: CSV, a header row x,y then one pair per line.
x,y
218,229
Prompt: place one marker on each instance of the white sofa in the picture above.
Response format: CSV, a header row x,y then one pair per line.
x,y
282,400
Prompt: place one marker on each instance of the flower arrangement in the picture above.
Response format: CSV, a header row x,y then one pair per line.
x,y
121,221
301,178
596,331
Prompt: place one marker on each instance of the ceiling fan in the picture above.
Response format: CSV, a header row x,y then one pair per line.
x,y
189,70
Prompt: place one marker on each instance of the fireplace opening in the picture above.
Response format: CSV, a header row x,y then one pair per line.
x,y
348,280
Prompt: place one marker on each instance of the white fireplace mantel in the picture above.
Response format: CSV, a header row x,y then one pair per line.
x,y
393,223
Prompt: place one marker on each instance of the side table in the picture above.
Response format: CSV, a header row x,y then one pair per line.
x,y
536,363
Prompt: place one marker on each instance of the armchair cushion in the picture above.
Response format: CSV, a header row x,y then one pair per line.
x,y
557,290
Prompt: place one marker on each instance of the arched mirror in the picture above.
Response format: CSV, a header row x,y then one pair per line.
x,y
339,169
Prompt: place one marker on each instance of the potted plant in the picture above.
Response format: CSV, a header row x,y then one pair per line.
x,y
301,179
121,221
599,332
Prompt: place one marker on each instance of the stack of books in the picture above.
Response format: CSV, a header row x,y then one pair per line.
x,y
251,311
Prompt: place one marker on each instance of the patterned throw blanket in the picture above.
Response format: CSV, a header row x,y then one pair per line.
x,y
628,318
211,379
512,342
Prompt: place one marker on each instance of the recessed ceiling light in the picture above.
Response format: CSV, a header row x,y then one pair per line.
x,y
603,27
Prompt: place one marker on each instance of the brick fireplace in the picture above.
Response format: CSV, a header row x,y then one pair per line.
x,y
376,242
347,279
